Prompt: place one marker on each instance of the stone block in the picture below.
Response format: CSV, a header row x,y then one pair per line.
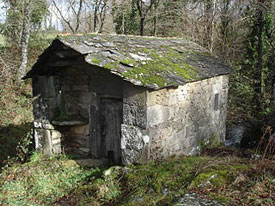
x,y
43,141
84,150
43,125
133,144
134,115
71,109
84,98
55,134
157,114
82,130
56,141
172,99
83,141
56,149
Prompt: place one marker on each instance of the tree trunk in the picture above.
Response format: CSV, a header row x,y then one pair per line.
x,y
259,84
142,19
143,13
90,23
78,15
212,26
155,20
95,14
210,7
25,39
123,23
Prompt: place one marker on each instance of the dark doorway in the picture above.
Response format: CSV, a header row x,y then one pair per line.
x,y
109,129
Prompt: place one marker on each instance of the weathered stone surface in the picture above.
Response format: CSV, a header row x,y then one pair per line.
x,y
56,141
56,149
133,144
68,123
55,134
84,150
157,114
43,141
188,117
83,141
196,200
83,129
43,125
84,98
134,106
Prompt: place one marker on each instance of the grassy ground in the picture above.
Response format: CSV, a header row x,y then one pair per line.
x,y
230,179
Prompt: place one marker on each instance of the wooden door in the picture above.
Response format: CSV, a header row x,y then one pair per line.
x,y
109,129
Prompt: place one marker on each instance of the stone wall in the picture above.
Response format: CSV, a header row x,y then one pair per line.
x,y
134,141
66,105
179,119
46,95
156,124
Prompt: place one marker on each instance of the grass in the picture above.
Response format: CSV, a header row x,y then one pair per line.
x,y
60,181
41,181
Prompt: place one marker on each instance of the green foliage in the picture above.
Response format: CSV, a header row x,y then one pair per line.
x,y
15,144
13,26
59,180
212,142
218,175
258,64
240,98
39,11
40,182
16,105
126,18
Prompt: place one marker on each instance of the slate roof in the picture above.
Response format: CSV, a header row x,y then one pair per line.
x,y
144,61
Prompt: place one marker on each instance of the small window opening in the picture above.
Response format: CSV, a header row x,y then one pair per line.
x,y
216,102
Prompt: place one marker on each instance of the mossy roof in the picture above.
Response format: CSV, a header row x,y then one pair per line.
x,y
146,61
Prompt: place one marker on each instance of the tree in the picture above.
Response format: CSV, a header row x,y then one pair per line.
x,y
22,17
74,9
143,9
259,59
24,44
100,8
125,15
209,23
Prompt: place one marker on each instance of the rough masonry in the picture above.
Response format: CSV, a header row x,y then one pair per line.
x,y
127,99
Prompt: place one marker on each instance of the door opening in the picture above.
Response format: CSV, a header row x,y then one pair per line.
x,y
109,129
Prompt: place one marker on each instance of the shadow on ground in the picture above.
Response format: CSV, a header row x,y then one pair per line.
x,y
13,139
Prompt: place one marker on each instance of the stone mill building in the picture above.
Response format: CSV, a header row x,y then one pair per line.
x,y
127,99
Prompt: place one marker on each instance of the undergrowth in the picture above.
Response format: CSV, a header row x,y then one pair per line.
x,y
41,181
230,179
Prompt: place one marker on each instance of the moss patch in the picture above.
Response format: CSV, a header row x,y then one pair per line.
x,y
95,60
158,68
218,175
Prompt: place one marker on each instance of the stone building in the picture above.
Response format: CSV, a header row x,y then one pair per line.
x,y
126,98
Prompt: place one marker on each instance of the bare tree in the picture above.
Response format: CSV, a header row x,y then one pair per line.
x,y
73,4
143,10
100,8
25,38
155,18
